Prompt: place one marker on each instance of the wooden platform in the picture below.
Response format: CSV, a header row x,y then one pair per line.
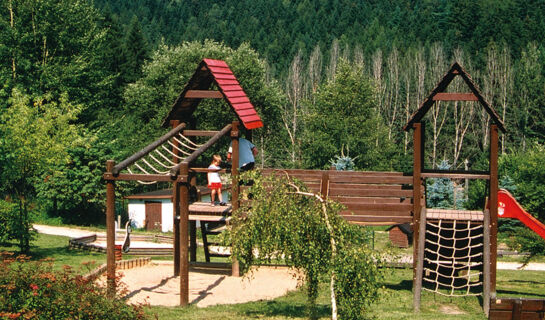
x,y
208,218
450,214
206,208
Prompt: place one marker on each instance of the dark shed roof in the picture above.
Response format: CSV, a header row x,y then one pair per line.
x,y
218,72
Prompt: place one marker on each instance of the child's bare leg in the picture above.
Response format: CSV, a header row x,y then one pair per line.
x,y
220,196
212,195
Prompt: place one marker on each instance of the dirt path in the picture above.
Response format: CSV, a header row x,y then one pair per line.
x,y
64,231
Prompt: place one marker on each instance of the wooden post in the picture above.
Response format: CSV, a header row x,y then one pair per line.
x,y
183,189
486,261
110,231
493,196
175,210
417,293
193,227
324,186
176,226
417,194
235,191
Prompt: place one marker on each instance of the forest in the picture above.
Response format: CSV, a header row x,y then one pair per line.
x,y
87,81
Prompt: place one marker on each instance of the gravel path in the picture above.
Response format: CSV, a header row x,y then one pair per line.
x,y
64,231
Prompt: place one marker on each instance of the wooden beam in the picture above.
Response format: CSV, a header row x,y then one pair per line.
x,y
455,175
183,189
142,153
199,133
455,96
417,194
235,188
176,209
141,177
203,94
198,152
493,196
110,231
419,261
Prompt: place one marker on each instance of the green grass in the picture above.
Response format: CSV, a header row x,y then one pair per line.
x,y
56,248
395,298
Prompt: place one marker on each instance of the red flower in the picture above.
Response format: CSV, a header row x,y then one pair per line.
x,y
33,286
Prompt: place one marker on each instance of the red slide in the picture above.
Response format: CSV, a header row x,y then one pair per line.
x,y
508,207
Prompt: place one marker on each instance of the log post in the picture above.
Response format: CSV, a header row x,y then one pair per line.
x,y
417,194
193,226
235,189
493,196
183,189
110,231
175,210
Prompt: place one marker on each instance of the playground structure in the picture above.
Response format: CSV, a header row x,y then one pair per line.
x,y
172,157
371,198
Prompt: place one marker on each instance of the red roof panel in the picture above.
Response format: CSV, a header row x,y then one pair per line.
x,y
223,76
233,93
242,106
253,125
250,118
215,70
246,112
226,82
239,100
231,88
215,63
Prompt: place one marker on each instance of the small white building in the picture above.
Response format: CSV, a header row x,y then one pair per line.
x,y
154,211
151,210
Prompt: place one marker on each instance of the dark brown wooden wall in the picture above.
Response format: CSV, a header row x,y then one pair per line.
x,y
512,308
370,197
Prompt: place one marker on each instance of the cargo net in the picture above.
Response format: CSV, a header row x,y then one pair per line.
x,y
453,258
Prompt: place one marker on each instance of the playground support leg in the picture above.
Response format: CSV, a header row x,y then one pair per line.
x,y
183,189
418,141
110,231
175,207
486,262
493,194
235,192
176,229
417,293
184,241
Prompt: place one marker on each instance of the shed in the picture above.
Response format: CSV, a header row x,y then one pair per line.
x,y
401,235
153,210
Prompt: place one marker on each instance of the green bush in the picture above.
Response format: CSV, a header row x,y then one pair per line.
x,y
527,172
31,290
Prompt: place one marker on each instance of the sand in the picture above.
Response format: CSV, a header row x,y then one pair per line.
x,y
156,285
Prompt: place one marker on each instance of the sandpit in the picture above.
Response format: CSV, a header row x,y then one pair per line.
x,y
156,285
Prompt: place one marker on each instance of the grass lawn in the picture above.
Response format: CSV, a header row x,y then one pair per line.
x,y
56,247
395,298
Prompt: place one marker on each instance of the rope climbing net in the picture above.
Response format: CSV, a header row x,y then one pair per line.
x,y
164,157
453,257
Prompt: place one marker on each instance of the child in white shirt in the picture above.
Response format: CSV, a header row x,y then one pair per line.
x,y
214,181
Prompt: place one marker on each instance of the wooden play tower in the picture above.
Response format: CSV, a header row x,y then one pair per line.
x,y
171,158
439,263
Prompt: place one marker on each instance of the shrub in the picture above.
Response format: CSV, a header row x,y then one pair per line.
x,y
32,290
286,223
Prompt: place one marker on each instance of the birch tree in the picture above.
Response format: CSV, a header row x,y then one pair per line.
x,y
292,112
438,110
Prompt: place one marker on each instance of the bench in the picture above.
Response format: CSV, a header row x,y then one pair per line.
x,y
370,197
